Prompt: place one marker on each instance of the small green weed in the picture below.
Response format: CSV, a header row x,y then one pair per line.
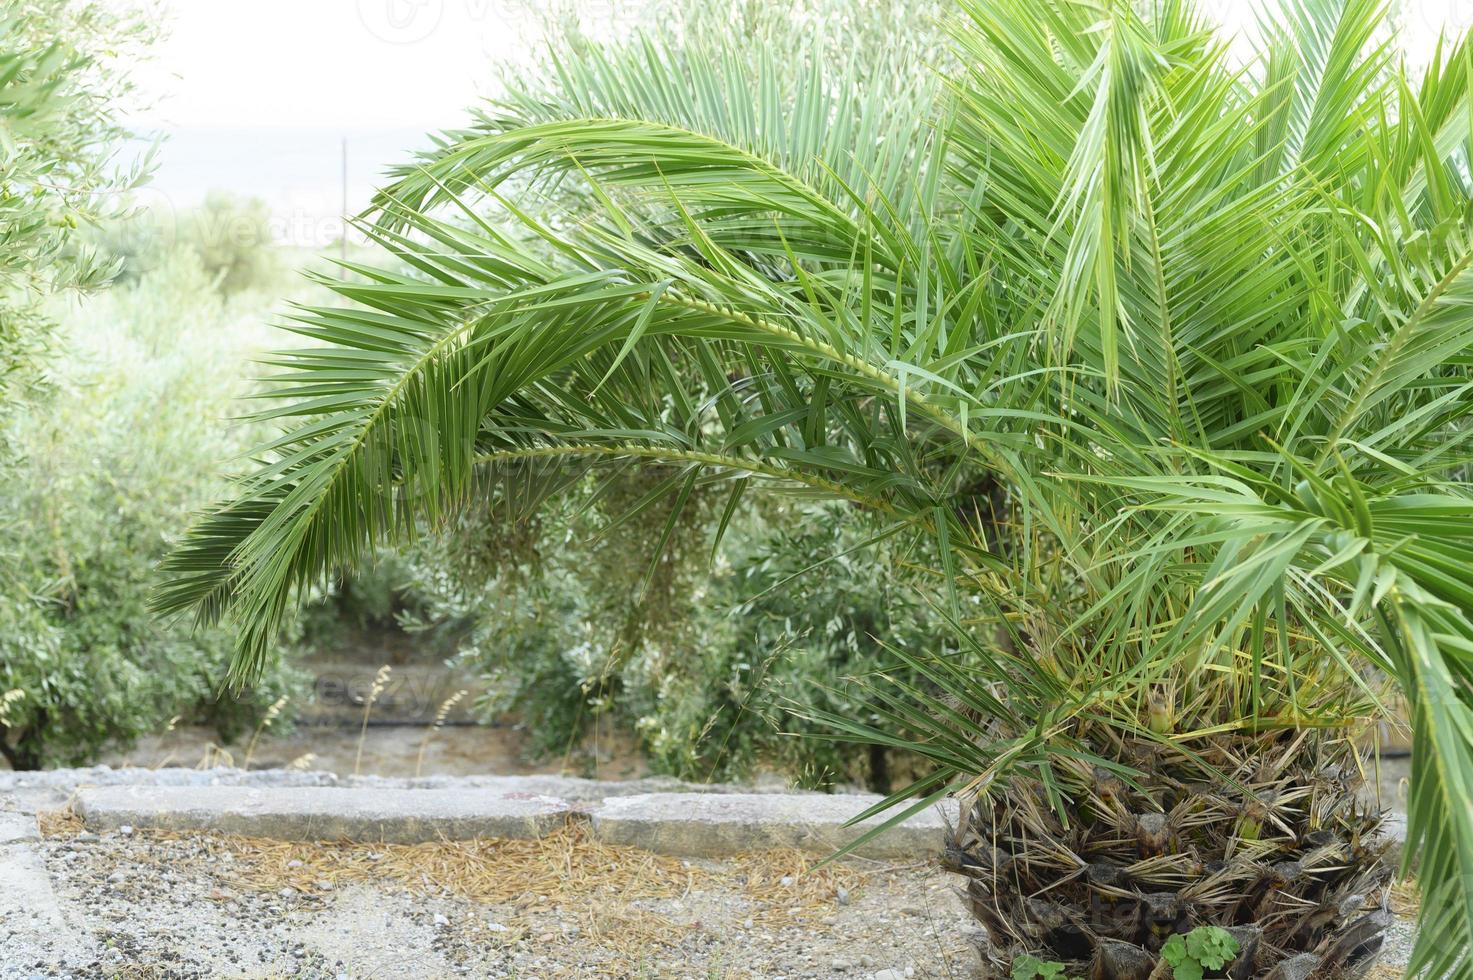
x,y
1204,948
1033,968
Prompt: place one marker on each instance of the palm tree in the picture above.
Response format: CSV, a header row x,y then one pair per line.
x,y
1166,356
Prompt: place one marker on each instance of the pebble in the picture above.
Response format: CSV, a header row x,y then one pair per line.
x,y
287,892
787,881
125,830
841,966
440,920
294,863
888,975
324,885
843,896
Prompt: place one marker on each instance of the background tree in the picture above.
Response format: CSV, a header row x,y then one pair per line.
x,y
100,447
63,87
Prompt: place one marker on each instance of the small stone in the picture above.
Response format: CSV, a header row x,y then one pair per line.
x,y
440,920
866,961
85,837
1296,967
888,975
748,924
125,830
294,863
546,937
287,892
842,896
324,885
787,881
496,927
1124,961
841,966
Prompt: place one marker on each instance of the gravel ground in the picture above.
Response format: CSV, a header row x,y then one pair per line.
x,y
175,907
136,906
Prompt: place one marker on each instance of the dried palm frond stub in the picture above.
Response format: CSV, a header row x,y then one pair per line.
x,y
1261,835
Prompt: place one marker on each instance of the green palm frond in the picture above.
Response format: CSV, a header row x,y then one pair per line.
x,y
701,130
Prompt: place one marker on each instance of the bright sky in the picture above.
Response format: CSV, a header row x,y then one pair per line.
x,y
339,63
414,63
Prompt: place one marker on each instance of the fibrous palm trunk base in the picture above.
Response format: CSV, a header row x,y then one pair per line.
x,y
1263,835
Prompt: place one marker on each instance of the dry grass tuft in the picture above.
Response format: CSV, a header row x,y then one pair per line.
x,y
518,872
58,823
789,883
1406,898
1382,972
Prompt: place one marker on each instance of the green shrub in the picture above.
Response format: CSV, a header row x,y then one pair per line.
x,y
229,235
791,618
712,667
115,456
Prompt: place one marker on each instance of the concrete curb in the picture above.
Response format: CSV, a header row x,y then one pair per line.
x,y
679,823
714,826
67,780
687,825
31,917
323,813
18,828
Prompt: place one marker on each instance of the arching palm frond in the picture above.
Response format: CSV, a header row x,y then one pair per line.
x,y
632,340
